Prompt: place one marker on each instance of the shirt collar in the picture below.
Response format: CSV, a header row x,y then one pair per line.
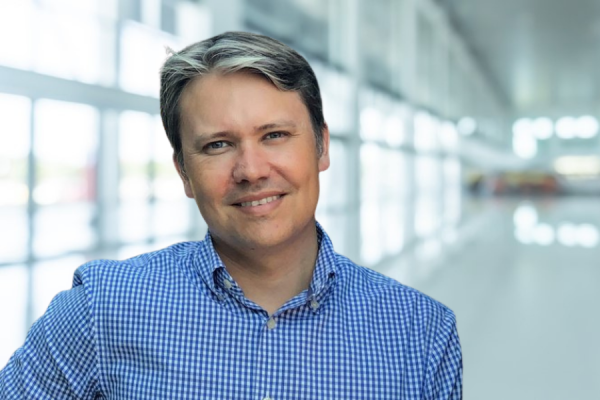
x,y
325,265
207,262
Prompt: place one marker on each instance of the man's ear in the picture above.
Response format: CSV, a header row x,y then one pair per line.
x,y
324,158
186,181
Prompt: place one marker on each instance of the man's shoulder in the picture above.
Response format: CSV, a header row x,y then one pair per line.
x,y
384,291
158,262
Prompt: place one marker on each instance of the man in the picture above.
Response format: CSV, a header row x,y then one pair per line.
x,y
263,308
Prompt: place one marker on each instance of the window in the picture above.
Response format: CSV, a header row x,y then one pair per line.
x,y
65,149
15,118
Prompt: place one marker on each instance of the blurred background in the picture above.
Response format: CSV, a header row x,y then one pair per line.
x,y
465,159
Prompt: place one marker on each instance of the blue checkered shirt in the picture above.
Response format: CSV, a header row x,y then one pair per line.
x,y
173,324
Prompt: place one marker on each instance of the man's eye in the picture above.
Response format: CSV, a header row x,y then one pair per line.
x,y
216,145
274,135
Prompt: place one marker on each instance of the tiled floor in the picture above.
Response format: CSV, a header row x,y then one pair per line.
x,y
524,281
523,278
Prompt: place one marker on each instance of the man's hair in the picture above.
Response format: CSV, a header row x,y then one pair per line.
x,y
237,52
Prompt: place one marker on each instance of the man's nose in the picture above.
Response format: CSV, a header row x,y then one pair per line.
x,y
252,165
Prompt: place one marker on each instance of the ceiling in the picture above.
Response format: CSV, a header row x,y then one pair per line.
x,y
542,55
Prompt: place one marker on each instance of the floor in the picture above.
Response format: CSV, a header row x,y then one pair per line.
x,y
522,276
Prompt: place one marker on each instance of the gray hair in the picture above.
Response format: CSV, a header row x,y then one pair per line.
x,y
237,52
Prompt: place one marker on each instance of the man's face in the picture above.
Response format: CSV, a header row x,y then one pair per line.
x,y
251,160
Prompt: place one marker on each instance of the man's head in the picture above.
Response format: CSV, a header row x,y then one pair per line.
x,y
237,52
243,113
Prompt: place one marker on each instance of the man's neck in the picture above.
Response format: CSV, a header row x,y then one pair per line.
x,y
270,277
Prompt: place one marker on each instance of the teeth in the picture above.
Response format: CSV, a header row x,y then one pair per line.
x,y
259,202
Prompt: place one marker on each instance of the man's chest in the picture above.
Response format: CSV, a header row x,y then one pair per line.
x,y
324,356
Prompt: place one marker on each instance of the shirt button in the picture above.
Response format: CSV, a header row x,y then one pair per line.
x,y
267,398
227,284
271,323
314,304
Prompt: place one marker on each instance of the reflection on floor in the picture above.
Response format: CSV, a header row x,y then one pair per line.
x,y
522,277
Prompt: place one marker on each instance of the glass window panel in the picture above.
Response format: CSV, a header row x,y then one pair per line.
x,y
168,21
425,135
393,173
333,191
14,149
393,226
89,7
167,184
427,215
13,234
372,123
193,21
134,221
425,37
65,149
335,224
142,54
372,249
428,187
13,297
16,33
336,93
393,199
136,134
51,278
395,126
171,217
452,191
62,34
427,175
449,136
63,228
371,171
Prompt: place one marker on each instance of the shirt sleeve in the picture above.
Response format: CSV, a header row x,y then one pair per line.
x,y
58,359
445,367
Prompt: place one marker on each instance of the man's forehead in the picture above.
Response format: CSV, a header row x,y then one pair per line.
x,y
223,101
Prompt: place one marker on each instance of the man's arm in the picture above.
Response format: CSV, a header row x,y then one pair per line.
x,y
58,359
444,374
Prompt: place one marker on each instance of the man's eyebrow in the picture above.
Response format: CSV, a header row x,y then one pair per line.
x,y
205,137
275,125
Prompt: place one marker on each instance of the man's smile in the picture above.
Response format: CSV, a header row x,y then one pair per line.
x,y
260,202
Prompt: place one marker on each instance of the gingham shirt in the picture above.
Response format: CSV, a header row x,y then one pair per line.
x,y
173,324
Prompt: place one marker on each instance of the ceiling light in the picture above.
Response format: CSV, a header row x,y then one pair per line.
x,y
542,128
567,234
543,235
467,126
578,165
587,127
588,235
525,145
566,128
525,216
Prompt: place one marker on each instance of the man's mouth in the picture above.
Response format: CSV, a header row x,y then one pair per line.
x,y
259,202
